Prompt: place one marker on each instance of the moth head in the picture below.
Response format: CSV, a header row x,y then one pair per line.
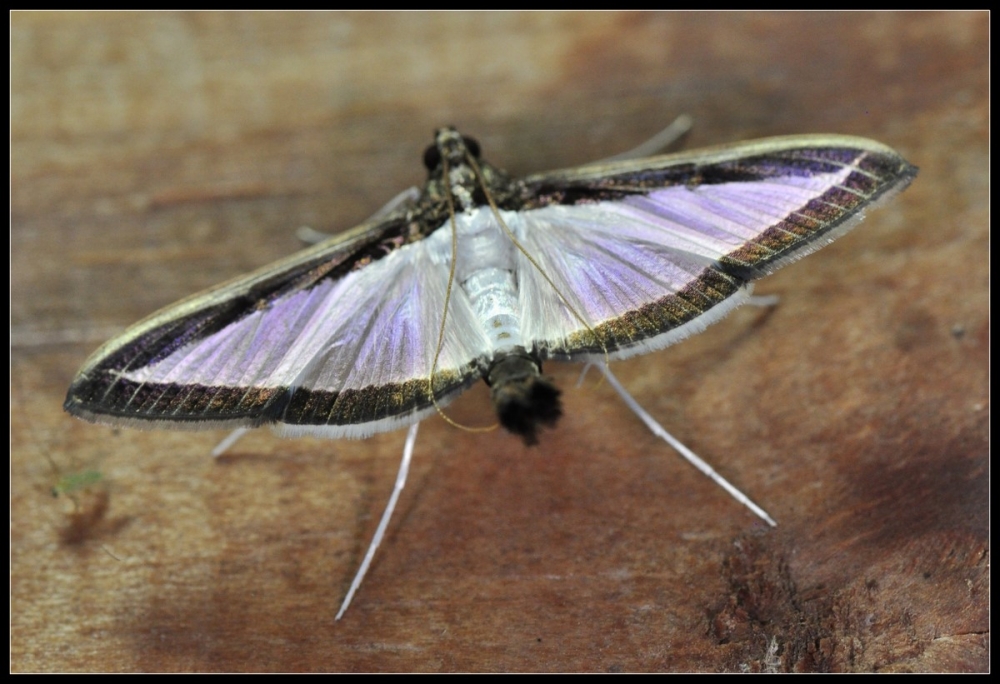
x,y
451,145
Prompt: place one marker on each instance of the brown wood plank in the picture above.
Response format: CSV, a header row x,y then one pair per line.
x,y
156,154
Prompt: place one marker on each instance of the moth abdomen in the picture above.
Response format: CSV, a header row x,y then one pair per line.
x,y
524,399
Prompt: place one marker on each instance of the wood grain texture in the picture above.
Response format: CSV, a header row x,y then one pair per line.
x,y
157,154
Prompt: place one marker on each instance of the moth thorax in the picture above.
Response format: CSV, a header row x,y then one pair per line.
x,y
482,243
493,294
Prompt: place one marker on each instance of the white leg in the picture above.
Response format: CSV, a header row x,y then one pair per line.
x,y
231,439
688,455
404,469
665,138
311,236
763,300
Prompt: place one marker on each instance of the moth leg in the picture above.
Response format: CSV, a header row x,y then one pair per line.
x,y
311,237
404,470
677,129
763,301
229,440
583,373
688,455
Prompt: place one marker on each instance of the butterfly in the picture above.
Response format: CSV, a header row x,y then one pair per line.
x,y
480,275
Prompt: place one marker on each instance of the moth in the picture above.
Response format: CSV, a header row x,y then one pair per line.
x,y
484,276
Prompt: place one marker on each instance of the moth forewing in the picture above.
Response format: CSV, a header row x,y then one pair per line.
x,y
333,249
720,154
656,249
96,393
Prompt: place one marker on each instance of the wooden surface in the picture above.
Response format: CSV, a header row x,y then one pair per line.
x,y
154,155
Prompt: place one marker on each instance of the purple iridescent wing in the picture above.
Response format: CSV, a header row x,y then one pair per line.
x,y
650,251
337,340
607,261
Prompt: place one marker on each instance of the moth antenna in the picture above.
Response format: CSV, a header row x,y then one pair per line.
x,y
688,455
404,470
444,315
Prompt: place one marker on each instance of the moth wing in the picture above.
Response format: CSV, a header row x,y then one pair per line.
x,y
337,340
648,252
